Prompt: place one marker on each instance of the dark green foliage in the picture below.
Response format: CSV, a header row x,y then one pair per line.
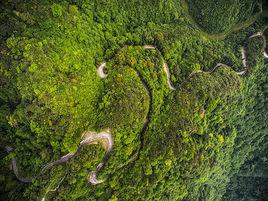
x,y
252,129
251,181
255,51
223,15
203,141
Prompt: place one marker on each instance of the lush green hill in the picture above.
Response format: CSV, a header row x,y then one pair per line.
x,y
224,15
181,129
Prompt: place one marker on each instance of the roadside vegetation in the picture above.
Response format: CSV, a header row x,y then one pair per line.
x,y
205,140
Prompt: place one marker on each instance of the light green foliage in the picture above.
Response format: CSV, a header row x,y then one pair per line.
x,y
56,10
201,141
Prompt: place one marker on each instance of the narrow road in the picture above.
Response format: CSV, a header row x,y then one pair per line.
x,y
105,138
261,33
100,71
218,36
150,47
101,74
256,35
88,138
166,70
213,69
244,58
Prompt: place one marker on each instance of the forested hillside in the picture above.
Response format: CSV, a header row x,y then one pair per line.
x,y
133,100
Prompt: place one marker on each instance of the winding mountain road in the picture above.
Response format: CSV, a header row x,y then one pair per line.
x,y
243,56
261,34
88,138
105,138
166,69
101,74
213,69
218,36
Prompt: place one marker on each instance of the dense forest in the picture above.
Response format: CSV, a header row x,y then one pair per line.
x,y
134,100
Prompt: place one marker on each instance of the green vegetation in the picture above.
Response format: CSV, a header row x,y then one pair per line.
x,y
223,15
206,140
